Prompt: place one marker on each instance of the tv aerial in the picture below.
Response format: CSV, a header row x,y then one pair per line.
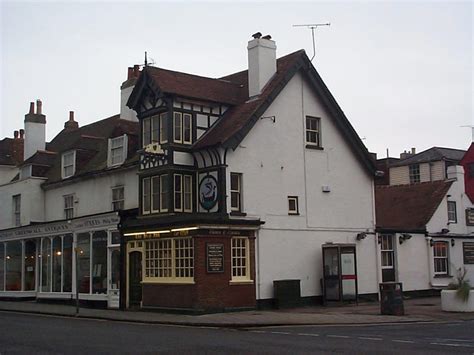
x,y
152,61
313,26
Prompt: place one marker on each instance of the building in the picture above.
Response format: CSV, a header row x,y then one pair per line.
x,y
426,231
429,165
59,215
468,164
243,181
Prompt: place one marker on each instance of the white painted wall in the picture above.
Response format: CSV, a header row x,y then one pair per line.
x,y
7,173
35,138
92,195
275,164
32,202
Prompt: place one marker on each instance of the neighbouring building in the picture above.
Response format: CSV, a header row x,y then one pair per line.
x,y
426,231
429,165
244,181
61,200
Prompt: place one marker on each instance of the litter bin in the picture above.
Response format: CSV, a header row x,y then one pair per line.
x,y
287,293
391,299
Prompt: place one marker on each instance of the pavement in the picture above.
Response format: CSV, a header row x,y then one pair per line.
x,y
416,310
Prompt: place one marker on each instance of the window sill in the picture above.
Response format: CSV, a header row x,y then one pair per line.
x,y
238,214
293,214
442,276
242,282
168,282
315,147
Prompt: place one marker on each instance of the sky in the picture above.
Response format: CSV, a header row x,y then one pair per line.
x,y
402,71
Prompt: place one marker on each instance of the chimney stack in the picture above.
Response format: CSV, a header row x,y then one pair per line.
x,y
71,125
262,62
35,130
22,133
125,90
15,134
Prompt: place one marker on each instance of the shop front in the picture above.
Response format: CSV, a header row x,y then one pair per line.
x,y
52,260
195,268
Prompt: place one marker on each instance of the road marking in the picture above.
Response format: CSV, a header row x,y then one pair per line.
x,y
284,333
403,341
308,334
367,338
338,336
458,340
455,345
257,331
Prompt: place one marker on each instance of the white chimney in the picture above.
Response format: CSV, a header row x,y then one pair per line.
x,y
125,91
262,62
456,172
35,130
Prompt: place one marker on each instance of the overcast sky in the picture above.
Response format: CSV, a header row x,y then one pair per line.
x,y
401,71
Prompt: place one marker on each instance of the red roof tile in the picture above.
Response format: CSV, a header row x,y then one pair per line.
x,y
408,207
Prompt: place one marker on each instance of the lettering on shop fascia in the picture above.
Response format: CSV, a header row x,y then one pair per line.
x,y
45,230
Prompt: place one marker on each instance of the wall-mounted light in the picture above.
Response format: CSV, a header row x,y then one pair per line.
x,y
453,242
444,231
273,118
432,243
403,238
361,236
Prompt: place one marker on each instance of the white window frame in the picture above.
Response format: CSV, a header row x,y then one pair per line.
x,y
116,201
441,257
72,164
178,192
68,207
145,196
237,192
414,173
187,193
187,117
163,261
316,131
296,210
452,212
164,192
386,248
122,148
240,273
153,193
178,118
16,207
163,128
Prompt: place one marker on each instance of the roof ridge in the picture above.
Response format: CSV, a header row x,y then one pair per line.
x,y
193,75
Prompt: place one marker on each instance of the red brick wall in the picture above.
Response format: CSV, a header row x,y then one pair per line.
x,y
210,291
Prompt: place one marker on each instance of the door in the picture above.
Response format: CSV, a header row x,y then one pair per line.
x,y
348,273
114,277
331,274
135,278
387,257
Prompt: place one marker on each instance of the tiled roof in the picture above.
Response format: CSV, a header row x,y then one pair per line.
x,y
91,145
11,151
408,207
433,154
196,87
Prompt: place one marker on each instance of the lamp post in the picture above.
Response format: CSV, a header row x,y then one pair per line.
x,y
77,251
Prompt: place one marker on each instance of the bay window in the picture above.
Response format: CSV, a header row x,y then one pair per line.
x,y
182,128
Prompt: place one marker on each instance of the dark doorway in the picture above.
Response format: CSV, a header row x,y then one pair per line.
x,y
135,278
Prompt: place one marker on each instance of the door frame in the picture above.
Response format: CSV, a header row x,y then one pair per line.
x,y
132,246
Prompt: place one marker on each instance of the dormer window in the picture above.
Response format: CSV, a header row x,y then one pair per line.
x,y
182,124
155,129
68,164
117,150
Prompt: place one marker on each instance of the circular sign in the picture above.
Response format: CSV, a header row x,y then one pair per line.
x,y
208,192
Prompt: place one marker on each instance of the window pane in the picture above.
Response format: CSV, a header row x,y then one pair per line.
x,y
188,193
177,127
146,131
164,192
156,193
163,128
146,194
178,192
13,266
57,264
45,265
84,254
234,182
187,127
99,262
155,124
67,263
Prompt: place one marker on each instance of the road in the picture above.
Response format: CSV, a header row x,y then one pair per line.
x,y
32,334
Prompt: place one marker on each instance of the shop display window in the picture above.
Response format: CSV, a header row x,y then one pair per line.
x,y
2,266
99,262
67,263
83,261
30,265
45,265
13,266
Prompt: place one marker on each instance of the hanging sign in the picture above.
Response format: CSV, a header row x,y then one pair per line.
x,y
468,252
208,192
470,216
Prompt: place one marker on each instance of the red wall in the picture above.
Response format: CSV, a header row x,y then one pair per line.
x,y
210,291
468,180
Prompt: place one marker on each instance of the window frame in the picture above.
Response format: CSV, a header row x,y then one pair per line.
x,y
173,263
310,130
146,196
122,147
118,201
295,211
236,245
414,174
73,164
452,212
179,131
385,248
445,247
237,191
67,208
16,208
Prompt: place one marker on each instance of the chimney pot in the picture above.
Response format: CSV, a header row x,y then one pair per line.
x,y
136,70
267,37
32,107
15,134
71,116
413,150
130,73
257,35
22,133
39,105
